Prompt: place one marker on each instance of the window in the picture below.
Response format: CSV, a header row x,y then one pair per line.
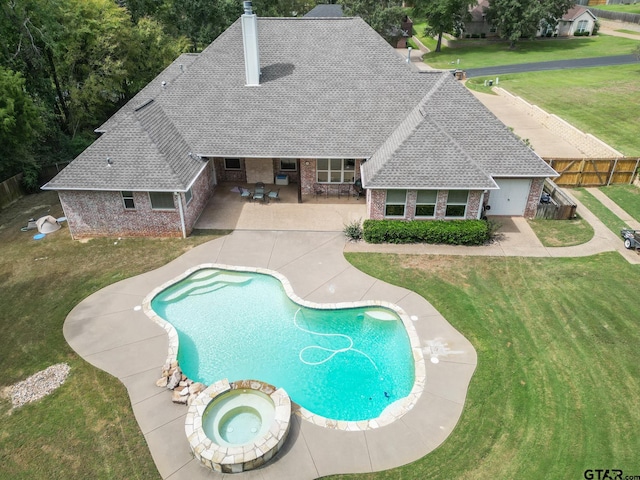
x,y
457,203
582,26
426,203
335,170
188,196
127,199
395,203
288,165
161,200
232,164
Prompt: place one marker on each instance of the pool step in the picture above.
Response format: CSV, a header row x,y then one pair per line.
x,y
380,315
206,281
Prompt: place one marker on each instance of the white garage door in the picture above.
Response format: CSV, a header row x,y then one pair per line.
x,y
511,199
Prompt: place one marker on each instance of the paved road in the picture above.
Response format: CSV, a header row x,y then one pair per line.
x,y
555,65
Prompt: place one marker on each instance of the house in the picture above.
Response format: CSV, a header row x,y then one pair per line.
x,y
324,101
577,21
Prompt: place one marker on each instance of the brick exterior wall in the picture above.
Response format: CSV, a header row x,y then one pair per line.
x,y
535,192
222,175
376,200
102,214
201,190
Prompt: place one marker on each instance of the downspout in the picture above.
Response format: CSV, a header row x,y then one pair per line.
x,y
184,229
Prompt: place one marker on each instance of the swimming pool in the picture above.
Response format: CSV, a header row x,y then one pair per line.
x,y
346,362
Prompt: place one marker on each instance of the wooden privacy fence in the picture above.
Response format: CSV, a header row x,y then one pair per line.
x,y
10,190
593,172
558,206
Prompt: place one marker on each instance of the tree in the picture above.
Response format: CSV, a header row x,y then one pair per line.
x,y
516,19
19,123
443,16
384,16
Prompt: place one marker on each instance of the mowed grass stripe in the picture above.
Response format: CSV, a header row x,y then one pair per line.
x,y
556,387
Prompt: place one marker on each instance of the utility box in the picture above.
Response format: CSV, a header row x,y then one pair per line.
x,y
282,179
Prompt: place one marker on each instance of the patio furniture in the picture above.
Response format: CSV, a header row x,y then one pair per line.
x,y
357,187
245,193
259,193
274,195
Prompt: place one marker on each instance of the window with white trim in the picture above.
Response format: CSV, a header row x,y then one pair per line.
x,y
288,164
161,201
188,196
232,164
582,26
457,203
395,203
335,170
127,199
426,203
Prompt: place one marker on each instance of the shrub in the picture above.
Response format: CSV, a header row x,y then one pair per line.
x,y
483,35
353,230
450,232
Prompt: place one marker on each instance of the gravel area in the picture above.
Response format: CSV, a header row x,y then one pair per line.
x,y
39,384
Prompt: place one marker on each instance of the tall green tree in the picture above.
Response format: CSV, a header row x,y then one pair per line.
x,y
443,16
516,19
19,124
384,16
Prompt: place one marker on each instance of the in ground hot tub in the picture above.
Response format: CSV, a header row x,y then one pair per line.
x,y
239,426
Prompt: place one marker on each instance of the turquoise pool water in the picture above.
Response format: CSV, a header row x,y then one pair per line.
x,y
345,364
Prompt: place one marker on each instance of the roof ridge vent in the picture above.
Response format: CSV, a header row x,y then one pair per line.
x,y
141,106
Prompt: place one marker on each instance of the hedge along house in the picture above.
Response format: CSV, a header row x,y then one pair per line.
x,y
323,101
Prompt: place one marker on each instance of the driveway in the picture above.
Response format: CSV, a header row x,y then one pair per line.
x,y
554,65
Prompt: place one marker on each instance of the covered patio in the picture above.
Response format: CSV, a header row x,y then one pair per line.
x,y
327,212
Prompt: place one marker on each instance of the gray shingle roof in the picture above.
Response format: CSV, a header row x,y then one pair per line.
x,y
329,88
150,155
320,11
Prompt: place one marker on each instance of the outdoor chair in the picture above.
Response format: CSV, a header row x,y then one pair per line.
x,y
274,195
357,187
245,193
259,193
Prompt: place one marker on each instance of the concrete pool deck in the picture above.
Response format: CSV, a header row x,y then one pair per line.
x,y
110,332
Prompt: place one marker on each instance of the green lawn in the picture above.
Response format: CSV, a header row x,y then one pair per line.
x,y
603,101
527,51
558,381
626,196
562,233
86,428
620,8
606,216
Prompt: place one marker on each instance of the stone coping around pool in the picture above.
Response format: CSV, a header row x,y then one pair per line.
x,y
390,414
236,459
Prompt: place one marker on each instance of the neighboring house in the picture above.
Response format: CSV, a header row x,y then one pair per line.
x,y
577,21
477,25
324,101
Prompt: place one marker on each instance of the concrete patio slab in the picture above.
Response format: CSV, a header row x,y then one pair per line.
x,y
129,358
170,451
348,451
